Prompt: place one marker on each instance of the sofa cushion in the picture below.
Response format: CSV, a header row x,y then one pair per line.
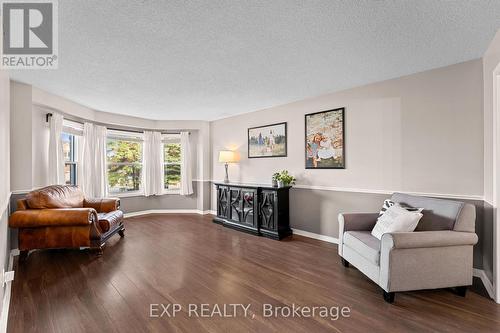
x,y
438,214
109,221
55,196
365,244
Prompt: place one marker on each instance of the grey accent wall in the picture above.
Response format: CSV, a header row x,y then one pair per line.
x,y
207,197
317,210
167,201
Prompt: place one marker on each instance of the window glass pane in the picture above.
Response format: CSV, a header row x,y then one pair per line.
x,y
124,178
67,174
172,152
124,159
67,144
123,151
172,176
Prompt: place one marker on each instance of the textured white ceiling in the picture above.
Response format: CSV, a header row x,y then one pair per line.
x,y
211,59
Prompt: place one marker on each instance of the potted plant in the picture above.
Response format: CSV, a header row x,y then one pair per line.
x,y
276,176
285,179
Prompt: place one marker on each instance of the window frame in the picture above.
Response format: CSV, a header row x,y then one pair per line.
x,y
73,162
132,137
166,139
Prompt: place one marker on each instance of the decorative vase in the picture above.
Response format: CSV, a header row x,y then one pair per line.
x,y
275,183
281,183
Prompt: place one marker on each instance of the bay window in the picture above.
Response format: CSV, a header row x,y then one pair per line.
x,y
124,162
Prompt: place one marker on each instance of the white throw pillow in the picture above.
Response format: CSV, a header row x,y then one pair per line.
x,y
396,219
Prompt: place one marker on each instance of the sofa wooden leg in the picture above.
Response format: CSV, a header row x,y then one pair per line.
x,y
23,255
389,297
345,263
461,291
121,232
98,251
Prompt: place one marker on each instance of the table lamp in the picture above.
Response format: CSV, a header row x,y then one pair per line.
x,y
227,156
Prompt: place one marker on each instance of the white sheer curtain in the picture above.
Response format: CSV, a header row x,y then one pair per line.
x,y
153,176
94,182
56,157
186,174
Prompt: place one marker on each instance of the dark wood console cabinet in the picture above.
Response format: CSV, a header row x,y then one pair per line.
x,y
257,209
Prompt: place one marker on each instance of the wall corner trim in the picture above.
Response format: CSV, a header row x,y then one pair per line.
x,y
488,285
4,316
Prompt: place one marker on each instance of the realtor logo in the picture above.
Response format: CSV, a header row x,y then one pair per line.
x,y
29,31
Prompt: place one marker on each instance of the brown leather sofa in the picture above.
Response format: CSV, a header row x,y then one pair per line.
x,y
59,216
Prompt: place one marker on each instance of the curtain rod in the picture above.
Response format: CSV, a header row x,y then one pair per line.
x,y
48,115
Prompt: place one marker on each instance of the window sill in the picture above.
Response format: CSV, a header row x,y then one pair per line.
x,y
141,194
178,192
127,194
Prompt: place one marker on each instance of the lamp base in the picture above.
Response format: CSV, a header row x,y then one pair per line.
x,y
226,178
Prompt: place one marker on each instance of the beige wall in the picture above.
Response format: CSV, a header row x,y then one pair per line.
x,y
21,158
4,172
419,133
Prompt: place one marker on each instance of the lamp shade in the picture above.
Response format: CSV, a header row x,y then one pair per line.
x,y
227,156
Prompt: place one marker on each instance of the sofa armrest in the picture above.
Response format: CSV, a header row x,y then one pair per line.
x,y
426,260
355,222
427,239
102,205
34,218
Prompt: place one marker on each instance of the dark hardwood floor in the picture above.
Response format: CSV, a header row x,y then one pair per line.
x,y
187,259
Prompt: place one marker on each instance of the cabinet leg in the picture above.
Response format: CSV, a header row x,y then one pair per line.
x,y
98,251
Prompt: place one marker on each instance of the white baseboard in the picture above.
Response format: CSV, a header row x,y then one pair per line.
x,y
4,317
168,211
324,238
488,285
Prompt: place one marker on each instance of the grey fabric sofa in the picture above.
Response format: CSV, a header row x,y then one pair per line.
x,y
438,254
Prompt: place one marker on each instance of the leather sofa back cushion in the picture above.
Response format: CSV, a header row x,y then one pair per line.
x,y
55,196
438,214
